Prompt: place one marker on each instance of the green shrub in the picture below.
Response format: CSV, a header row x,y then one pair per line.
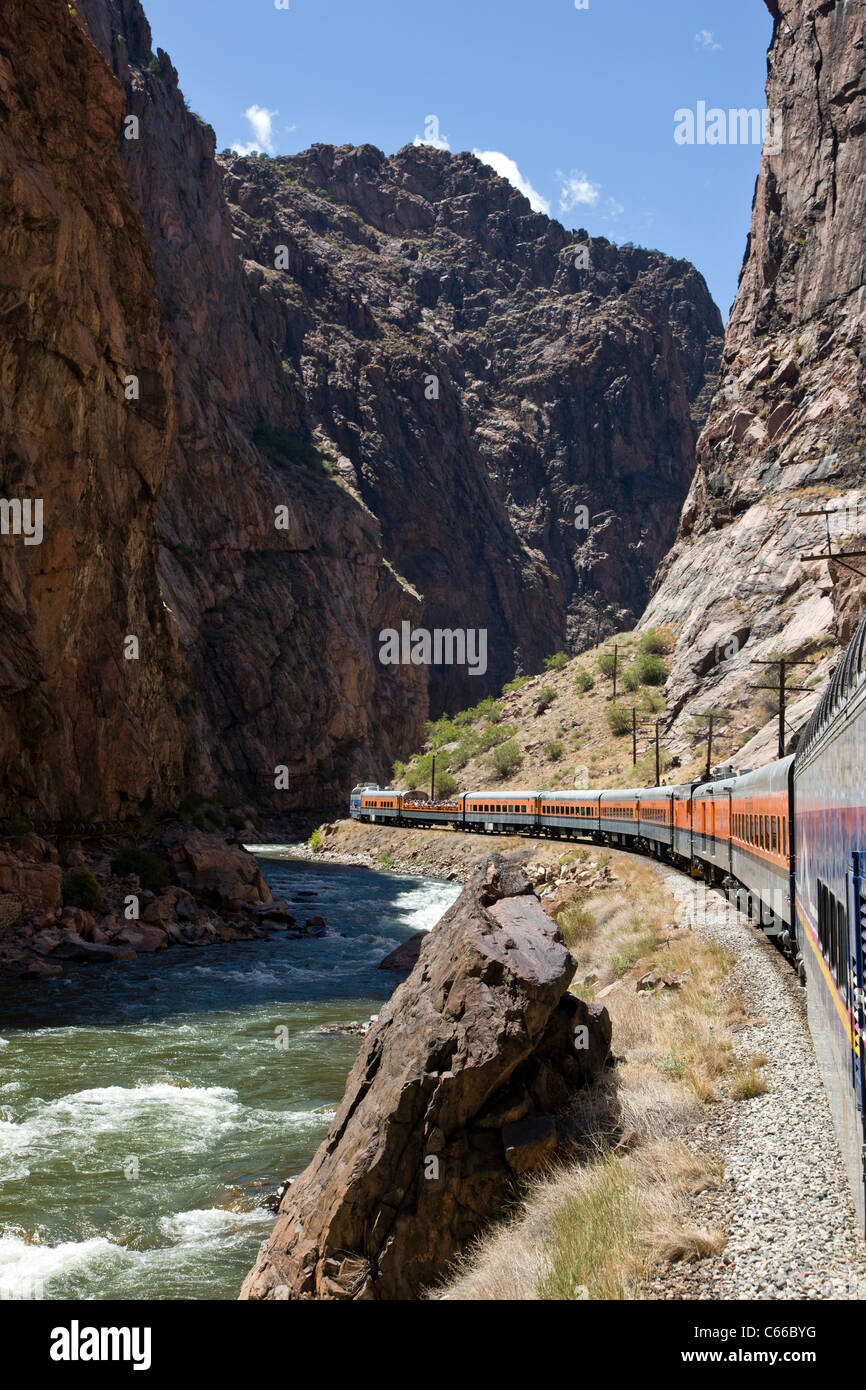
x,y
495,734
488,709
557,662
418,775
317,841
619,720
546,697
16,825
654,642
441,731
152,871
605,662
81,889
553,751
398,771
511,687
583,681
630,679
444,785
651,670
460,756
287,448
507,758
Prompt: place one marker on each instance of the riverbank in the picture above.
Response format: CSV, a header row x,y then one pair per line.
x,y
147,1110
107,900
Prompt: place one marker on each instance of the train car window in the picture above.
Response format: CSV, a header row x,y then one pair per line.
x,y
784,834
773,835
842,949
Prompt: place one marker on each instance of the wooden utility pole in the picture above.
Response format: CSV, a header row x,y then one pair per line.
x,y
783,663
838,557
709,745
634,735
658,757
615,655
433,778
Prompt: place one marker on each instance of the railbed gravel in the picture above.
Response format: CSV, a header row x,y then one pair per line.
x,y
784,1203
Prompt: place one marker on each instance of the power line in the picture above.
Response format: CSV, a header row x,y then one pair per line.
x,y
784,690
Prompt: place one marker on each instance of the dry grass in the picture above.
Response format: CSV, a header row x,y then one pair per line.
x,y
592,1231
599,1226
747,1083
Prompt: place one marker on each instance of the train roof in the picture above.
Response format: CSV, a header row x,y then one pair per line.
x,y
848,675
501,795
579,795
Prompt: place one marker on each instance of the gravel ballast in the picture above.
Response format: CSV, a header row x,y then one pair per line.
x,y
784,1204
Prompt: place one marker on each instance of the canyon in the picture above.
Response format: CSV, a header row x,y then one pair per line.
x,y
285,320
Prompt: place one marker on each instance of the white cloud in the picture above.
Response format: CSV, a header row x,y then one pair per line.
x,y
507,169
614,209
576,189
704,39
261,123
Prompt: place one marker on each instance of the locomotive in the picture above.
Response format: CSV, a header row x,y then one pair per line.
x,y
789,839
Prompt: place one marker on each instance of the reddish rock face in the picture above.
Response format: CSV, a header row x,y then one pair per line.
x,y
278,626
36,885
475,385
82,729
217,872
453,1094
297,394
785,431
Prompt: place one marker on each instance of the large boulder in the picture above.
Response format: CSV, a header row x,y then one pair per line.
x,y
221,874
452,1095
37,885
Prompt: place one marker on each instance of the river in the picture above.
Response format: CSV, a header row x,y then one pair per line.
x,y
147,1107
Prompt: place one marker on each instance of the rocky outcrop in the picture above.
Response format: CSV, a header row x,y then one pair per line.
x,y
784,435
94,910
455,1093
86,728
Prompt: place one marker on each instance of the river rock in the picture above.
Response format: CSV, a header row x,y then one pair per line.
x,y
418,1156
142,936
403,958
44,969
221,874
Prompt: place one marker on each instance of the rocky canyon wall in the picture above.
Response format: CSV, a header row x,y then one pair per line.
x,y
367,390
84,731
477,373
785,432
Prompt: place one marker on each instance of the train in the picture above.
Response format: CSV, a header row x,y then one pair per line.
x,y
787,841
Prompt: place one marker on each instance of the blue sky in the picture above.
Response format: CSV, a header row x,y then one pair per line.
x,y
581,101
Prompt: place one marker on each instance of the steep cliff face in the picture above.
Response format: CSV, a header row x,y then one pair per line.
x,y
83,730
279,624
426,381
785,431
479,373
